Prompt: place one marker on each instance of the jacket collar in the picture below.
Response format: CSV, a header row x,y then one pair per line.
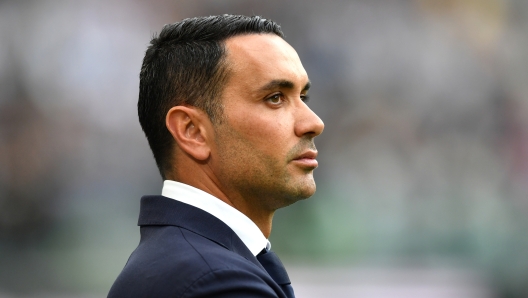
x,y
162,211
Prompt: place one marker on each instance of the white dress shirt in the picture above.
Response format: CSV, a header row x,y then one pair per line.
x,y
244,227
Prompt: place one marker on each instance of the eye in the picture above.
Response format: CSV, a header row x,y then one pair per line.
x,y
305,97
275,99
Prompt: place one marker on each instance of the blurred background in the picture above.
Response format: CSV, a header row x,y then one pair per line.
x,y
423,177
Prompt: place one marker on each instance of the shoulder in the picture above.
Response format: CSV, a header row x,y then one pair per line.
x,y
174,262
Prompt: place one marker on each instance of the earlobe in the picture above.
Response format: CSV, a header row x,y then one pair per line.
x,y
188,129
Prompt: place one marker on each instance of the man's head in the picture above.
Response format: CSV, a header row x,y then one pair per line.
x,y
238,128
185,65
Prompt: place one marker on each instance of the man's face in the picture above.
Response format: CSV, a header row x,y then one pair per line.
x,y
264,153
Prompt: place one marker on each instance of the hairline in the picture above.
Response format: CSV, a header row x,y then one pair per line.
x,y
225,69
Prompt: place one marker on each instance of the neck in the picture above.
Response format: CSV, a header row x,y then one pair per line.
x,y
261,217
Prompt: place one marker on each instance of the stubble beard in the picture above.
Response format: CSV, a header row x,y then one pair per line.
x,y
259,179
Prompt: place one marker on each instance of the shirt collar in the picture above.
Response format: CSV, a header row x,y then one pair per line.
x,y
244,227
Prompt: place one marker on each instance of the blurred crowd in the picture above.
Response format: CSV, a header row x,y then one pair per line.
x,y
423,161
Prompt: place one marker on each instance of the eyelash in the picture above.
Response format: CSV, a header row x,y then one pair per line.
x,y
278,95
304,98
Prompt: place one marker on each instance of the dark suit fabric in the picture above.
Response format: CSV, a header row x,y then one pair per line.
x,y
186,252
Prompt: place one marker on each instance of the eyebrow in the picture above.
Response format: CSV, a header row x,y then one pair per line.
x,y
283,84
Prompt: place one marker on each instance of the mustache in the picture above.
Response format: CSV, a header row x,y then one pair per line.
x,y
301,147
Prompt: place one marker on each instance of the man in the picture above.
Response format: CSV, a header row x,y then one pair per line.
x,y
222,104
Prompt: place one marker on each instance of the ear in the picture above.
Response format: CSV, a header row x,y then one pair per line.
x,y
189,128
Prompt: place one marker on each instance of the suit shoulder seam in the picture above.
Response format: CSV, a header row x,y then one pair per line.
x,y
196,250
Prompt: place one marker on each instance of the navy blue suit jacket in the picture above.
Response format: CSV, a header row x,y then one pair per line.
x,y
186,252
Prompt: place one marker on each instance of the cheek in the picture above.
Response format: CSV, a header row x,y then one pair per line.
x,y
244,160
266,133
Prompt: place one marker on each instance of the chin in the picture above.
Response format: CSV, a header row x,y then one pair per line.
x,y
305,190
307,193
295,196
293,191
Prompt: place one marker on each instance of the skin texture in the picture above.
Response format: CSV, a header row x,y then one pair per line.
x,y
261,156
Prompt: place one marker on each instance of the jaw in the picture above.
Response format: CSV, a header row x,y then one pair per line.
x,y
304,186
299,186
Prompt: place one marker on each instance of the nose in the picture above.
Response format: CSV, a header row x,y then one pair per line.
x,y
308,123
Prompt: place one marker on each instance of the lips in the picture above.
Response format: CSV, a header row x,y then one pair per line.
x,y
308,155
307,159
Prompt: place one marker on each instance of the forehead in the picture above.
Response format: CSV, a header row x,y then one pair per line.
x,y
259,58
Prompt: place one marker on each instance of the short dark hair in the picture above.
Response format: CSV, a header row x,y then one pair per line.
x,y
185,65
